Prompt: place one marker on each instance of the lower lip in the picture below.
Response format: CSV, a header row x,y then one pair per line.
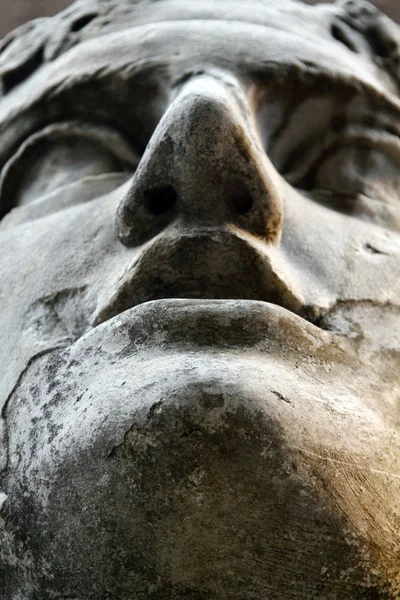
x,y
219,323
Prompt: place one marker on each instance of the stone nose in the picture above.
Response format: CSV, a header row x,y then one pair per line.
x,y
203,167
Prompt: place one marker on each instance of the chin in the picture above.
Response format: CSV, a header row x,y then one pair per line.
x,y
222,476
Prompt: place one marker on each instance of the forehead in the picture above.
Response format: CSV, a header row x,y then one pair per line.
x,y
133,45
282,31
234,32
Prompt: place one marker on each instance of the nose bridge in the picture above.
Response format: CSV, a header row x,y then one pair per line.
x,y
208,111
203,165
213,143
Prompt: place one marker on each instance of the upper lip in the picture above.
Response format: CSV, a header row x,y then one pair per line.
x,y
207,263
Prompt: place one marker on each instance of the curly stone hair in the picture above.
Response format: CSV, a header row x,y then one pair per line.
x,y
24,50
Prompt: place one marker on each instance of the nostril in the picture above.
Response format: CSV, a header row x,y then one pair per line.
x,y
160,200
241,199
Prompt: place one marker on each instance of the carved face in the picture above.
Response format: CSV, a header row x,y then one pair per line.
x,y
200,285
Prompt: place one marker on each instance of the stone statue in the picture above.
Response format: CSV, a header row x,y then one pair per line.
x,y
200,303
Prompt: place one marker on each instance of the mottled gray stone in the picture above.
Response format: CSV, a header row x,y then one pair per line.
x,y
200,303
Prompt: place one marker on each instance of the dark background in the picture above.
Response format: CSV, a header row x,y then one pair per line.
x,y
15,12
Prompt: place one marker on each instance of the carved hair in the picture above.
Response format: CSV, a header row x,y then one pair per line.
x,y
381,33
356,23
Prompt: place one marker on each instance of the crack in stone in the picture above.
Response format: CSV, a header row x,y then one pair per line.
x,y
3,413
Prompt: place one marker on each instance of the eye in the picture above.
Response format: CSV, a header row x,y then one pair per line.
x,y
350,169
360,169
60,155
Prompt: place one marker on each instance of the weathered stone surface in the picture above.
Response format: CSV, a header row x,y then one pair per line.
x,y
199,303
17,12
390,7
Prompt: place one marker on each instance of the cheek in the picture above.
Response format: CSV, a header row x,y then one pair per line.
x,y
53,270
333,257
55,252
89,189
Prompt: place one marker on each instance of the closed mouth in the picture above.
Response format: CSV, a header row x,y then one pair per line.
x,y
225,266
